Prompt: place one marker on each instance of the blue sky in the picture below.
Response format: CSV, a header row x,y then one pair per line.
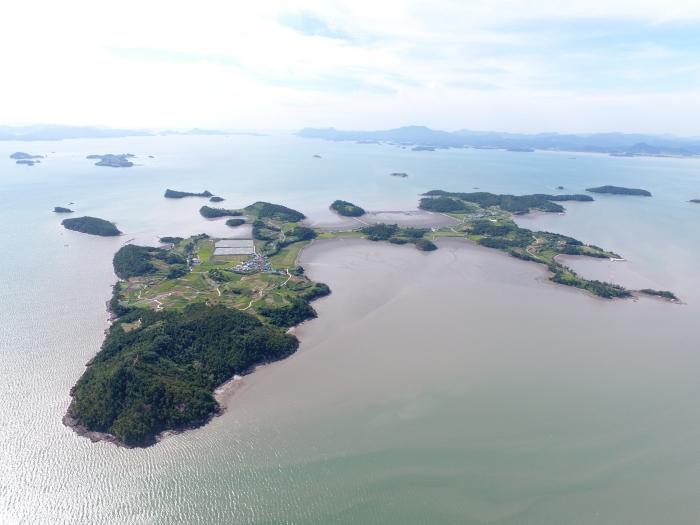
x,y
509,65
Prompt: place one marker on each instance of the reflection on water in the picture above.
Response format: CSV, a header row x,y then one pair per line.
x,y
450,387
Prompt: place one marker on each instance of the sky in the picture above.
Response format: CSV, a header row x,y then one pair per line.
x,y
507,65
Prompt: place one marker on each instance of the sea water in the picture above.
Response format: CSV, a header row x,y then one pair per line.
x,y
448,387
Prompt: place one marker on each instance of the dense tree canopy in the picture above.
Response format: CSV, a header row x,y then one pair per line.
x,y
161,374
92,226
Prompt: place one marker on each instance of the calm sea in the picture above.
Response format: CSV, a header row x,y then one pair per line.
x,y
450,387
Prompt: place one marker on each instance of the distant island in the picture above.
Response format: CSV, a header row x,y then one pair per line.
x,y
396,235
197,131
696,201
402,175
217,199
27,162
58,209
521,150
423,137
22,155
317,156
423,148
451,202
92,226
113,161
347,209
213,213
172,194
616,190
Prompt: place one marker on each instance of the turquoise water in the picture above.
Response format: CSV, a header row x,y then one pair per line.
x,y
443,388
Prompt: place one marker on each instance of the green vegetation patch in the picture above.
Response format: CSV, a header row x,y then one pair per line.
x,y
617,190
660,293
161,375
91,226
235,222
263,210
513,203
172,194
213,213
396,235
347,209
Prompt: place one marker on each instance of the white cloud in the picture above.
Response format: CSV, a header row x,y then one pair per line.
x,y
487,64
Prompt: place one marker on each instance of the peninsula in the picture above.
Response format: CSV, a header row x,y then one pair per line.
x,y
487,220
91,226
172,194
113,161
450,202
186,319
347,209
616,190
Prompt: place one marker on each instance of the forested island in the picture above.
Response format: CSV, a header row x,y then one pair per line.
x,y
217,199
396,235
696,201
186,321
172,194
617,190
347,209
59,209
212,213
91,226
113,161
456,202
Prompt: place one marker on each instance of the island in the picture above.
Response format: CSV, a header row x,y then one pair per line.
x,y
113,161
172,194
347,209
217,199
317,156
521,150
616,190
402,175
696,201
235,222
214,213
59,209
451,202
396,235
28,162
187,319
423,148
25,156
91,226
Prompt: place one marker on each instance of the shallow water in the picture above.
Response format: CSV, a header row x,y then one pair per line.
x,y
450,387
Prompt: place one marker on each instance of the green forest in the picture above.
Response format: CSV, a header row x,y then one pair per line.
x,y
172,194
396,235
91,226
347,209
161,375
213,213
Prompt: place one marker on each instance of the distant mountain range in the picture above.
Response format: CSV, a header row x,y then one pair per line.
x,y
57,132
423,138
